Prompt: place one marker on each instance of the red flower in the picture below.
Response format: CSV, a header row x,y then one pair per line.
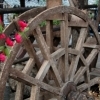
x,y
22,28
2,36
9,42
2,57
18,38
22,24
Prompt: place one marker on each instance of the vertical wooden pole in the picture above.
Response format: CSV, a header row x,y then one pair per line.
x,y
49,28
54,3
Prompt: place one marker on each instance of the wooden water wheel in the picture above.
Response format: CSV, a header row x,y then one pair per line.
x,y
63,69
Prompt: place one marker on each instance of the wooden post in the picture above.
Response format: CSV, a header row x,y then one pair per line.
x,y
54,3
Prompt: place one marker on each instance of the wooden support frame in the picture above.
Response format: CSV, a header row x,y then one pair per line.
x,y
51,57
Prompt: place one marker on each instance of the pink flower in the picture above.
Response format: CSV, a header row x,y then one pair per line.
x,y
2,57
22,24
9,42
22,28
18,38
2,36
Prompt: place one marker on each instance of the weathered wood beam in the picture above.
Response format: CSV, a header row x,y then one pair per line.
x,y
18,75
89,6
91,83
14,10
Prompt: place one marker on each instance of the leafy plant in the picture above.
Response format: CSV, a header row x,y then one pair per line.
x,y
55,22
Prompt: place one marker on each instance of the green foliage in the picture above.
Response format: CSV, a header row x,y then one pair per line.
x,y
55,22
43,24
23,32
1,29
1,48
7,51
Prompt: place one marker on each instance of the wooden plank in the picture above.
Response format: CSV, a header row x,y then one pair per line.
x,y
86,45
56,73
79,74
41,42
77,24
96,69
73,67
54,3
29,48
81,38
19,91
26,79
57,54
49,35
31,13
92,55
73,51
35,93
85,85
35,90
28,68
43,70
60,66
95,72
65,34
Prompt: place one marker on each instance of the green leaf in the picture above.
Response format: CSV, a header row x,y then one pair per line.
x,y
2,48
26,29
6,51
23,35
1,29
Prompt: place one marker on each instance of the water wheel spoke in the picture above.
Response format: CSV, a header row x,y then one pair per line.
x,y
92,46
19,91
73,51
43,70
73,67
85,85
57,54
35,93
31,81
29,48
41,42
49,35
56,72
92,55
78,75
